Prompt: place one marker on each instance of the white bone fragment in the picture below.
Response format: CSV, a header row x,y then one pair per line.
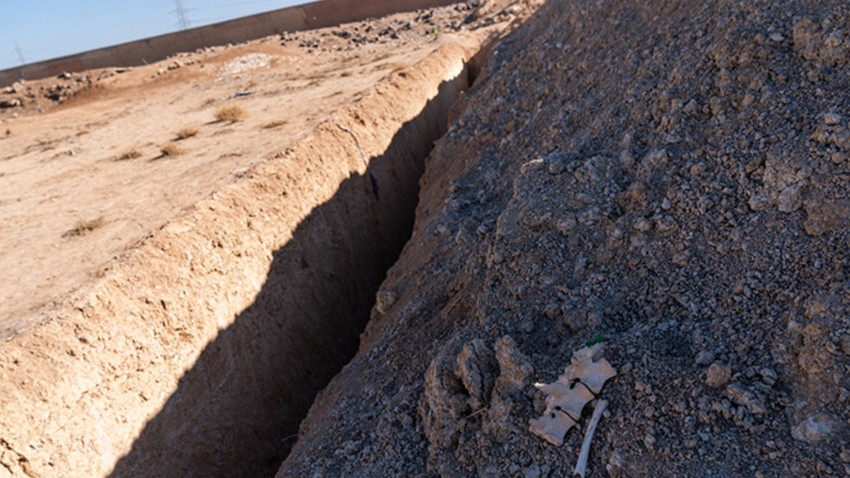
x,y
592,374
568,395
552,427
581,465
566,398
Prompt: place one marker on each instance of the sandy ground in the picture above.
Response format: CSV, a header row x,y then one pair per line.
x,y
73,199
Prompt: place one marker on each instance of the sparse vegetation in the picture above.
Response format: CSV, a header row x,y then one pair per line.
x,y
230,114
437,30
275,124
170,149
81,228
131,153
187,132
209,102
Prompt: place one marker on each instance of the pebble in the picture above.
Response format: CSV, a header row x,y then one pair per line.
x,y
831,118
718,375
845,344
704,357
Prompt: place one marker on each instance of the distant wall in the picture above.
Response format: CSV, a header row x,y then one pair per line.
x,y
320,14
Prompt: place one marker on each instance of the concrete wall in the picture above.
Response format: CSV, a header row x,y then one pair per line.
x,y
320,14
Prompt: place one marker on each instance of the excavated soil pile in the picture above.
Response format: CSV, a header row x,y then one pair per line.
x,y
672,175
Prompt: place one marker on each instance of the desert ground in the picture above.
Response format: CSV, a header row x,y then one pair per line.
x,y
532,238
83,175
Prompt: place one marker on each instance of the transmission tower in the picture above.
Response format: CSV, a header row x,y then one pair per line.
x,y
181,15
20,53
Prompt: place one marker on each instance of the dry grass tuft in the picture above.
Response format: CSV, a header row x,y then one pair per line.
x,y
170,149
81,228
131,153
230,114
275,124
187,132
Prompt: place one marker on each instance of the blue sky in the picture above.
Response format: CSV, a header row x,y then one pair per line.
x,y
44,29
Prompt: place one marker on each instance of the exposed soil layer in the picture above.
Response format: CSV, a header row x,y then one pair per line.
x,y
199,348
670,175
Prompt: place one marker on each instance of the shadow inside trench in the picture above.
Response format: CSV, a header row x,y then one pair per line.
x,y
237,411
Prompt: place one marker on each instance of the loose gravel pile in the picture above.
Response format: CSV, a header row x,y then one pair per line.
x,y
670,175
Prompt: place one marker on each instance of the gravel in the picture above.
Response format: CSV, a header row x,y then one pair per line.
x,y
670,175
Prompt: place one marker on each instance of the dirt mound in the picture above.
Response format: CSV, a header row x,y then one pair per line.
x,y
193,250
671,175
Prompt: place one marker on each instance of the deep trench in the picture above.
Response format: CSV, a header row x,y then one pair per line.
x,y
305,323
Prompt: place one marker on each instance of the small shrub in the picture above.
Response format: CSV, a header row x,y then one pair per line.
x,y
170,149
131,153
231,114
275,124
81,228
209,102
187,132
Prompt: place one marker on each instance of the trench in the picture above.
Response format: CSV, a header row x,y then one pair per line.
x,y
236,412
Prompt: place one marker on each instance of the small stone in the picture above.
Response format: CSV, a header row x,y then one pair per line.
x,y
776,37
789,200
384,300
759,202
10,103
643,225
704,357
566,224
552,310
532,471
718,375
814,429
831,118
744,397
768,376
845,343
649,440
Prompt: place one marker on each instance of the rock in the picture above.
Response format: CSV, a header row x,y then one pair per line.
x,y
718,375
789,199
746,398
532,471
845,343
704,357
10,103
831,118
515,369
815,428
442,405
384,300
475,368
825,217
760,202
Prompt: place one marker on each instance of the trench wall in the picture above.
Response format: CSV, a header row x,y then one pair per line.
x,y
319,14
200,353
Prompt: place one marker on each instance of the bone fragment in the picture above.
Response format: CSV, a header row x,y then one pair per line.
x,y
581,465
552,426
